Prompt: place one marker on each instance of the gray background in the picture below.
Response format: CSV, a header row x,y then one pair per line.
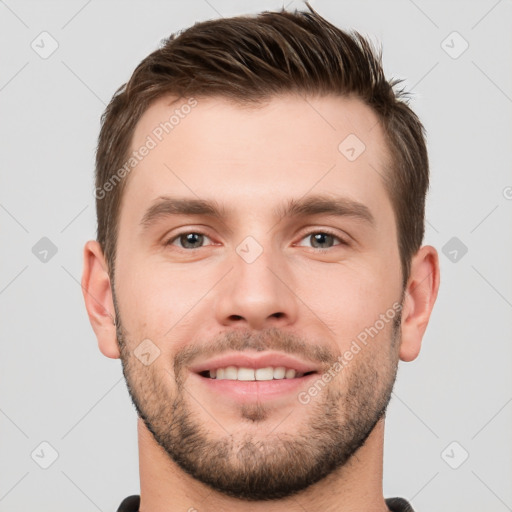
x,y
56,387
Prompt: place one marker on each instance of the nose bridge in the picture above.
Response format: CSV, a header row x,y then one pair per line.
x,y
254,292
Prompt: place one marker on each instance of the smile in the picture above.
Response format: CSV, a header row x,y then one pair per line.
x,y
253,374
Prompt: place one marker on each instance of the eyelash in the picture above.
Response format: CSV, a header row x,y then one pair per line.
x,y
341,241
309,234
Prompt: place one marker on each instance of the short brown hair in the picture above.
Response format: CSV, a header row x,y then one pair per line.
x,y
249,59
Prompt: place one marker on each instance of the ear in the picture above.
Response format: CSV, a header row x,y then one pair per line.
x,y
420,296
97,291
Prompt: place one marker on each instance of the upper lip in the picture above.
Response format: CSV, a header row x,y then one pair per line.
x,y
255,360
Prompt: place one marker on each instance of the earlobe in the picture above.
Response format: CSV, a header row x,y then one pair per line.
x,y
420,296
97,292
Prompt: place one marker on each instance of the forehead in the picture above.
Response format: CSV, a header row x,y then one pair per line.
x,y
245,155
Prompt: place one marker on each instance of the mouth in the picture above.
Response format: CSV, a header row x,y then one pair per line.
x,y
248,376
255,366
254,374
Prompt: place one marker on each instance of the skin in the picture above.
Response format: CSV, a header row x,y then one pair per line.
x,y
251,161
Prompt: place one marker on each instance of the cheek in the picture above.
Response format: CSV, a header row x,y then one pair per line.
x,y
347,296
155,298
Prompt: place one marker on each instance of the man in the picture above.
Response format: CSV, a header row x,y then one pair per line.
x,y
258,269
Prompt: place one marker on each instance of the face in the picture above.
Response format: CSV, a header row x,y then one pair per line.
x,y
256,244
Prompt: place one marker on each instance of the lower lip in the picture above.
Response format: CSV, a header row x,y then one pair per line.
x,y
247,391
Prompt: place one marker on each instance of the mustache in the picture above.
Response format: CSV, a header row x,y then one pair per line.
x,y
268,339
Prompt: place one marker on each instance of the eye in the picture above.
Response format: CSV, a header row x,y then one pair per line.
x,y
189,240
323,240
195,240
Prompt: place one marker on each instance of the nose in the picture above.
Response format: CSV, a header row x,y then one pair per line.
x,y
257,294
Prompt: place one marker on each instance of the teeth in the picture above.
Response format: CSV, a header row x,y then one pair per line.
x,y
279,372
245,374
230,373
251,374
264,373
290,374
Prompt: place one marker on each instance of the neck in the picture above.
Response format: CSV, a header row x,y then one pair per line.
x,y
165,487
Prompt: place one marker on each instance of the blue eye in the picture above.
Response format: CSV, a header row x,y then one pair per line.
x,y
317,240
323,240
191,240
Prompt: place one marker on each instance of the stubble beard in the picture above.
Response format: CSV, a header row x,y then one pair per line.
x,y
263,466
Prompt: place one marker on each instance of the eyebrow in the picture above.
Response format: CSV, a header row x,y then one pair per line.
x,y
166,206
322,204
